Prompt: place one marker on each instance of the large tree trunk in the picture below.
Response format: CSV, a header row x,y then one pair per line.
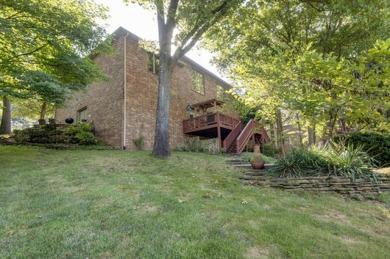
x,y
161,147
5,126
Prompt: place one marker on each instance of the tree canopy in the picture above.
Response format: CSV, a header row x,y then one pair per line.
x,y
44,47
327,60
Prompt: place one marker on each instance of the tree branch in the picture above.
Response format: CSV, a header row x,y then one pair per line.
x,y
27,53
194,35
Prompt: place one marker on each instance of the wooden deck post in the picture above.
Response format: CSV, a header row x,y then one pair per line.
x,y
219,131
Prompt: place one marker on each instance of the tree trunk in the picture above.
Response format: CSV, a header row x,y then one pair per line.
x,y
5,126
311,132
332,124
42,114
299,130
161,147
279,131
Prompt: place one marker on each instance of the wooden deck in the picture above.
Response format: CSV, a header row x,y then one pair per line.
x,y
208,124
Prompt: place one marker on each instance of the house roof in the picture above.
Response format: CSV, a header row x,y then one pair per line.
x,y
122,32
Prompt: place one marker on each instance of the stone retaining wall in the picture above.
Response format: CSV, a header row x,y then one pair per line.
x,y
328,184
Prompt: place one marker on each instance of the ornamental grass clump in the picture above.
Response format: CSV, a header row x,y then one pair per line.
x,y
336,160
300,162
349,161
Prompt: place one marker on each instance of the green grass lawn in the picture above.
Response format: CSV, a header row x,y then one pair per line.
x,y
108,204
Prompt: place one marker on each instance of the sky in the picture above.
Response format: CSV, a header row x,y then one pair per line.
x,y
142,23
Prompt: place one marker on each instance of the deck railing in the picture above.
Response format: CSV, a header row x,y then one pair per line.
x,y
208,121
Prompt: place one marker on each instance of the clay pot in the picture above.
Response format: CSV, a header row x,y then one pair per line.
x,y
257,161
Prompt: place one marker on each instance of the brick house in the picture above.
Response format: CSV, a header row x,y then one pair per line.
x,y
123,108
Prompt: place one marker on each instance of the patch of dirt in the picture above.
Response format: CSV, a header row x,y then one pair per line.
x,y
350,240
146,208
331,215
254,224
257,252
385,170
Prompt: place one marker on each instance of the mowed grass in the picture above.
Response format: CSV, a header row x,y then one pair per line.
x,y
120,204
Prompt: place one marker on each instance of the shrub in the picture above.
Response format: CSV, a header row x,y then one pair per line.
x,y
270,150
139,143
375,144
74,129
350,161
86,138
81,133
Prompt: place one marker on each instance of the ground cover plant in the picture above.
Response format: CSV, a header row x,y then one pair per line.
x,y
116,204
335,160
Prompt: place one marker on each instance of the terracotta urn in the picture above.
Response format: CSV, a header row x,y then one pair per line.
x,y
257,161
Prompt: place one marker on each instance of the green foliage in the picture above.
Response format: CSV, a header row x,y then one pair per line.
x,y
86,138
81,133
195,144
328,60
74,129
139,143
350,161
375,144
44,47
300,162
270,150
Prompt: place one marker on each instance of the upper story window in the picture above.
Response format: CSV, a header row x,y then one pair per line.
x,y
153,63
197,82
220,92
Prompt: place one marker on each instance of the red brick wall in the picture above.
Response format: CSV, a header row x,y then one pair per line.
x,y
104,100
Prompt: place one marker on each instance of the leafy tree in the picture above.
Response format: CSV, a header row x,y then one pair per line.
x,y
44,47
308,56
181,23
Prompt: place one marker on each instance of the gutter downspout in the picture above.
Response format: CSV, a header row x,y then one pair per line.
x,y
124,92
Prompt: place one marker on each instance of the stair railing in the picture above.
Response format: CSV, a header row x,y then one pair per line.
x,y
231,138
245,135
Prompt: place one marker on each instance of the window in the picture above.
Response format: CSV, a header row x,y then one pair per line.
x,y
197,82
153,63
82,114
220,92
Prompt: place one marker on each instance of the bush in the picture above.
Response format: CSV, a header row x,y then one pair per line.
x,y
81,133
375,144
74,129
86,138
270,150
350,161
139,143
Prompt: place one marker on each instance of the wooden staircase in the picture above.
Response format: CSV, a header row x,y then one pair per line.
x,y
238,138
